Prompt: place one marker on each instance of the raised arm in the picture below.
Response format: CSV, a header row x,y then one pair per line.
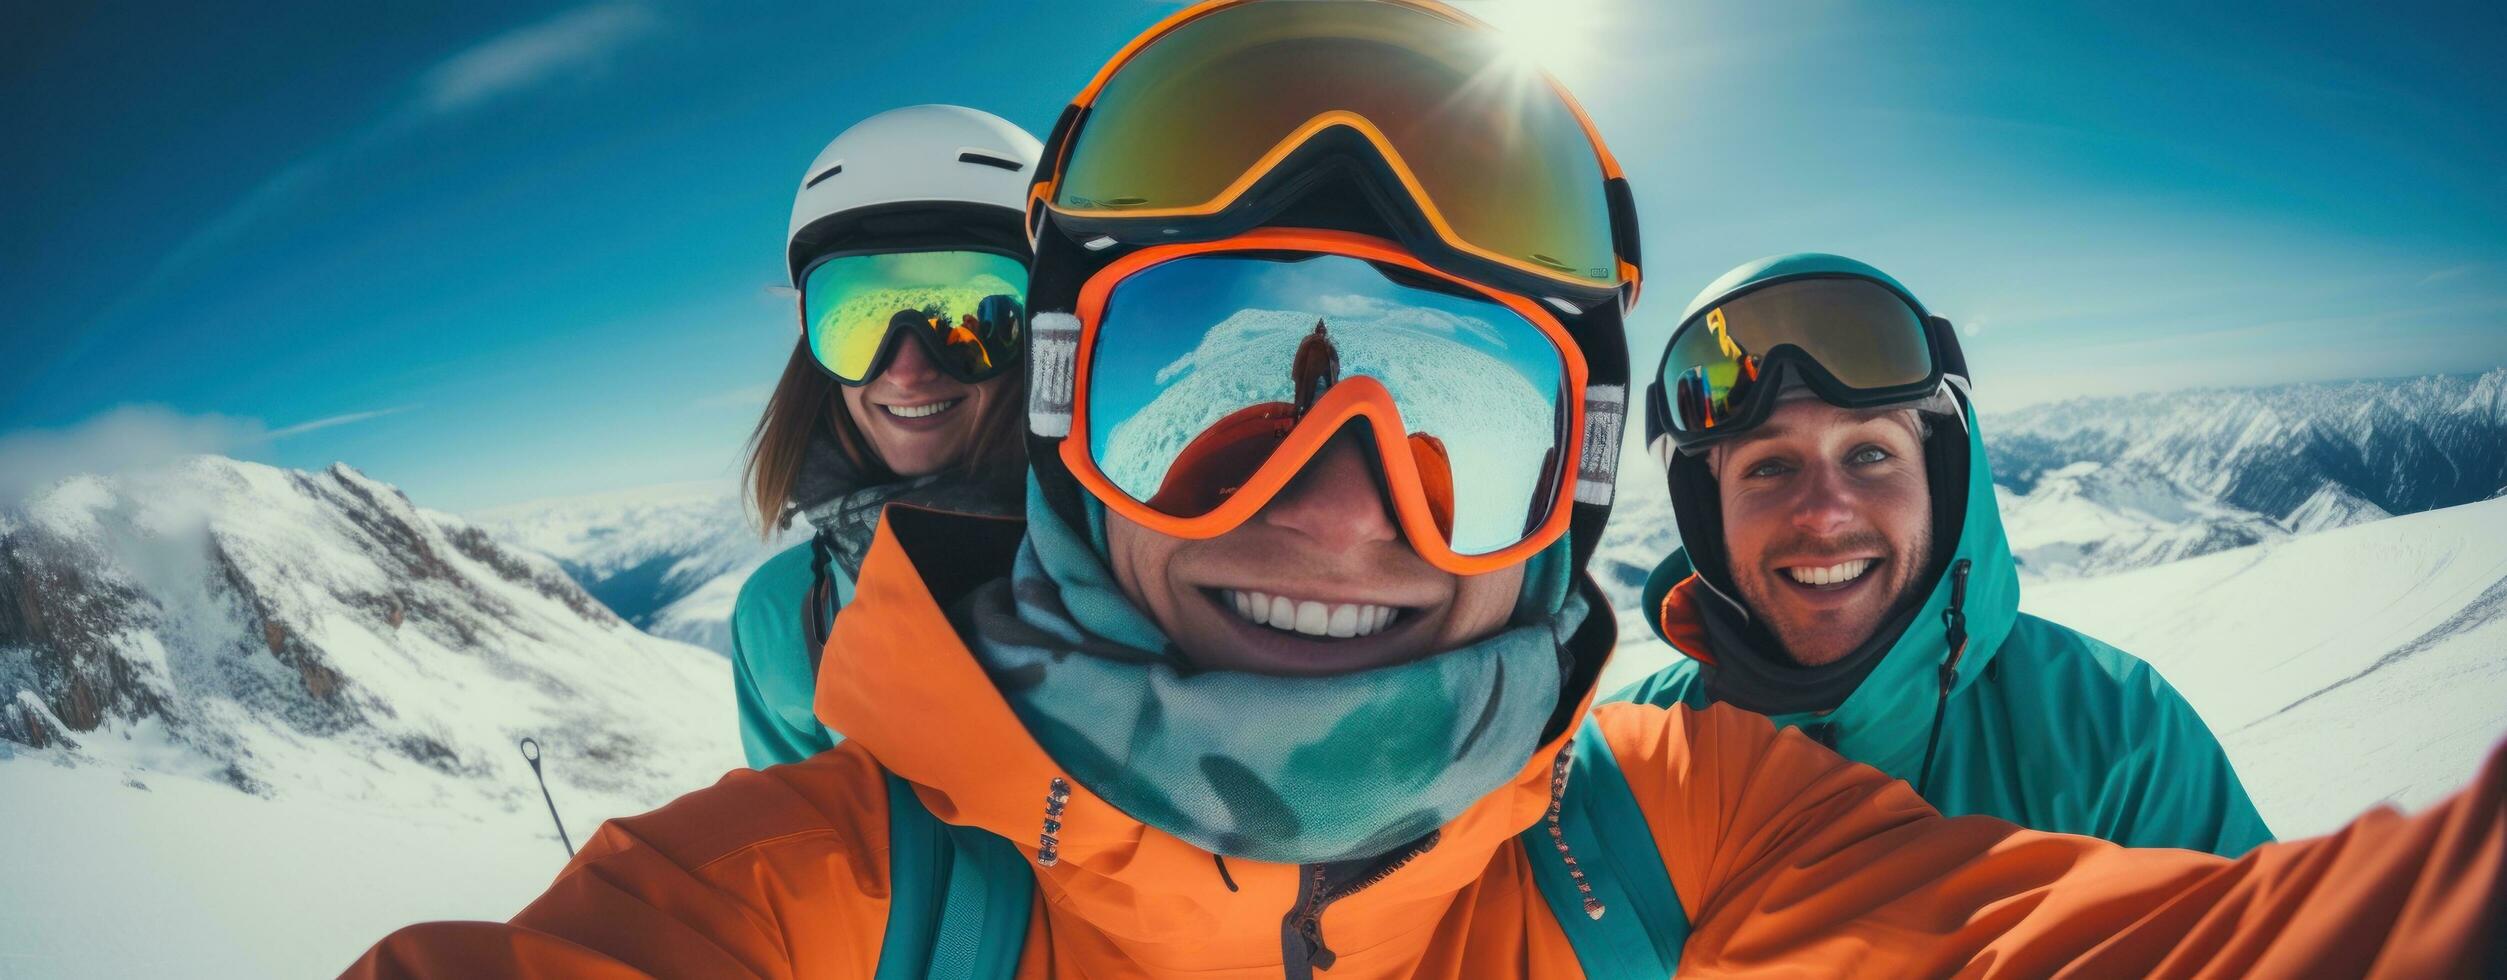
x,y
1786,856
772,873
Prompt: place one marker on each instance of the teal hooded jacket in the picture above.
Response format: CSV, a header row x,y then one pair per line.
x,y
2041,726
773,676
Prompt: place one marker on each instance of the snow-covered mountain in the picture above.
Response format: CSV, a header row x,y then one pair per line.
x,y
291,632
253,718
669,559
2106,484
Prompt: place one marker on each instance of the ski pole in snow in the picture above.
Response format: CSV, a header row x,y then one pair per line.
x,y
531,754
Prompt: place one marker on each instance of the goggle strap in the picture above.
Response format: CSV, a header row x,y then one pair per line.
x,y
1605,418
1053,367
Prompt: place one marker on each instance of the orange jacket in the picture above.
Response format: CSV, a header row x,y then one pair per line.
x,y
1785,857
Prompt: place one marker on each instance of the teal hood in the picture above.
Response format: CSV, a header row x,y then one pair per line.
x,y
2039,725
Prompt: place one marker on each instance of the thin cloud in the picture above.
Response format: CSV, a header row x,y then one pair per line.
x,y
751,397
571,44
126,439
574,42
301,428
2450,272
138,438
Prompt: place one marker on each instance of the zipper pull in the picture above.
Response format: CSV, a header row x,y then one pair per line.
x,y
1318,955
1954,623
1310,925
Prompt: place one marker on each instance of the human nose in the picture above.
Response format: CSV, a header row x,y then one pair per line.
x,y
1335,499
1827,504
912,365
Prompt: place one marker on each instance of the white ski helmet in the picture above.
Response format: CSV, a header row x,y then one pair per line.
x,y
922,176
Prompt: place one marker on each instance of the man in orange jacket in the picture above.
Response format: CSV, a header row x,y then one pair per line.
x,y
1310,728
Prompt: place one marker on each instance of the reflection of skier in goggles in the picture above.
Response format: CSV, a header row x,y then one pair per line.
x,y
1214,465
1316,369
964,335
1306,730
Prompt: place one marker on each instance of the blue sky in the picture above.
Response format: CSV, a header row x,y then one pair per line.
x,y
510,251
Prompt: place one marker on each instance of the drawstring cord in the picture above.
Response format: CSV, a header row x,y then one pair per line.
x,y
1557,799
1049,843
1223,875
1954,619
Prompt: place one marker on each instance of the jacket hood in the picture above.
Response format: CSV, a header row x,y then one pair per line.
x,y
903,684
1886,718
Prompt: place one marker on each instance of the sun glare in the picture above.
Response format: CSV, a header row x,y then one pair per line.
x,y
1563,37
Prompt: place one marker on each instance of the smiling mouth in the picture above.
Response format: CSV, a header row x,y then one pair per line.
x,y
923,411
1309,617
1837,576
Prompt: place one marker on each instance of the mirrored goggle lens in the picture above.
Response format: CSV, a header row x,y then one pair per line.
x,y
1202,366
1864,335
1496,150
967,304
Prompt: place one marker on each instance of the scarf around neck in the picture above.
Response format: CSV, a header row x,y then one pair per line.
x,y
1293,770
842,502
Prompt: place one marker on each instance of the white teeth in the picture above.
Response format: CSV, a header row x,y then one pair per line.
x,y
1832,574
1311,618
921,411
1344,620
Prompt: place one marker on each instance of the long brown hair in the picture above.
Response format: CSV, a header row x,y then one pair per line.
x,y
805,401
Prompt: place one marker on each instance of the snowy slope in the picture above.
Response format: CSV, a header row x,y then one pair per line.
x,y
669,558
203,667
116,875
1641,532
2341,669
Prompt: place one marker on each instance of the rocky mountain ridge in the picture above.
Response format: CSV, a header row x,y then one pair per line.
x,y
291,632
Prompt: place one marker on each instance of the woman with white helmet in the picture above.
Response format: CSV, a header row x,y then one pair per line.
x,y
907,249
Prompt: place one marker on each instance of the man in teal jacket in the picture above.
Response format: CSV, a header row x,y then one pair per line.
x,y
1845,572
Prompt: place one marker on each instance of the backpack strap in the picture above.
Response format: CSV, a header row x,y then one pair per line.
x,y
1642,927
830,590
958,897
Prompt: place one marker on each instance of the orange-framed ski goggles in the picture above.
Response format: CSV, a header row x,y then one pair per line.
x,y
1207,375
1203,126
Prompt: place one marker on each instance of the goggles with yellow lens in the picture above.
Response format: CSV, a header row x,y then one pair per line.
x,y
964,307
1211,123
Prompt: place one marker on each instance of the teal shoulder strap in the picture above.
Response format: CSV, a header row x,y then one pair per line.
x,y
958,898
843,585
1642,926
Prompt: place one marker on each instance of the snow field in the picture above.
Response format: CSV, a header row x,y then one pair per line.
x,y
188,878
2341,670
